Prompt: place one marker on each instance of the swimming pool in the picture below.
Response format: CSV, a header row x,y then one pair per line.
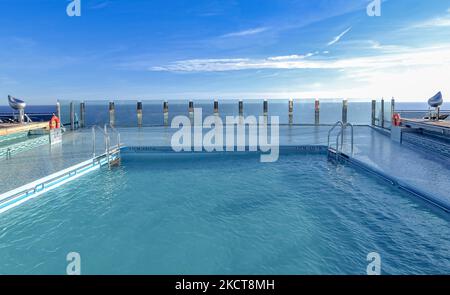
x,y
168,213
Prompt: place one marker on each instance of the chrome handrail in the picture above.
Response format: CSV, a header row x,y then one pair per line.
x,y
341,135
331,130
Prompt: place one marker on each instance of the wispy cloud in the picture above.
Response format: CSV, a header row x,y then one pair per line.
x,y
413,57
338,37
436,22
248,32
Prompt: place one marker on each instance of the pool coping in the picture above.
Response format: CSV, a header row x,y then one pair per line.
x,y
36,188
20,195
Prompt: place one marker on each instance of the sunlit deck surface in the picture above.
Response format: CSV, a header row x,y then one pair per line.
x,y
428,125
422,170
11,128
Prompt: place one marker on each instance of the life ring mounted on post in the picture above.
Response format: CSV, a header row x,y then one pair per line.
x,y
55,123
396,119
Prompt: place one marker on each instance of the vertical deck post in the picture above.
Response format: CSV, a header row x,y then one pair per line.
x,y
291,111
392,108
82,114
58,110
72,116
112,114
374,112
265,107
344,111
241,108
317,112
216,106
139,113
382,113
93,142
166,112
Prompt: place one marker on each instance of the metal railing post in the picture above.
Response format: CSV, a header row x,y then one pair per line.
x,y
374,112
82,114
72,116
58,110
265,107
166,113
392,109
139,113
216,106
241,108
344,111
93,142
317,112
382,113
112,113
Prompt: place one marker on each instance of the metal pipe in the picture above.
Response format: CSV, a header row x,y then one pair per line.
x,y
139,113
382,113
191,106
58,110
72,116
374,112
166,112
241,108
216,106
265,107
317,112
291,106
93,142
82,114
344,111
112,113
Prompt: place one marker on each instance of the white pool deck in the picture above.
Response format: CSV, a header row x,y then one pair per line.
x,y
427,173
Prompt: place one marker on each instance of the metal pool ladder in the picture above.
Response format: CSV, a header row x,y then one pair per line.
x,y
338,149
109,150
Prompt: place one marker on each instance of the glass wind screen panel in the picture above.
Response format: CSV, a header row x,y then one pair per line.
x,y
125,113
228,107
207,106
152,112
97,113
330,112
360,113
177,108
253,107
387,114
304,111
280,108
65,112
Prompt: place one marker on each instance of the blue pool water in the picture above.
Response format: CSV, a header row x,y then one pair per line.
x,y
166,213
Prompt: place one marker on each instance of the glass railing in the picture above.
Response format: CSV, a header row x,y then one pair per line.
x,y
124,112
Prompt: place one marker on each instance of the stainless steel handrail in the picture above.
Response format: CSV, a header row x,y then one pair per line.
x,y
341,135
331,130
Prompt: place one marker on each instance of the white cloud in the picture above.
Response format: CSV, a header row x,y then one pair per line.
x,y
248,32
437,22
427,56
338,37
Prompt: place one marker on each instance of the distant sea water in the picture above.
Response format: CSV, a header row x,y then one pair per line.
x,y
330,111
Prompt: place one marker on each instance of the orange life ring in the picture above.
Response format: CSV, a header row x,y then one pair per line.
x,y
55,123
396,119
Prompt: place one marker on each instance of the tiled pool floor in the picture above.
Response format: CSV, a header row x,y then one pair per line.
x,y
419,169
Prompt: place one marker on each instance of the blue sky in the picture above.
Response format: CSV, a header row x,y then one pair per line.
x,y
122,49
